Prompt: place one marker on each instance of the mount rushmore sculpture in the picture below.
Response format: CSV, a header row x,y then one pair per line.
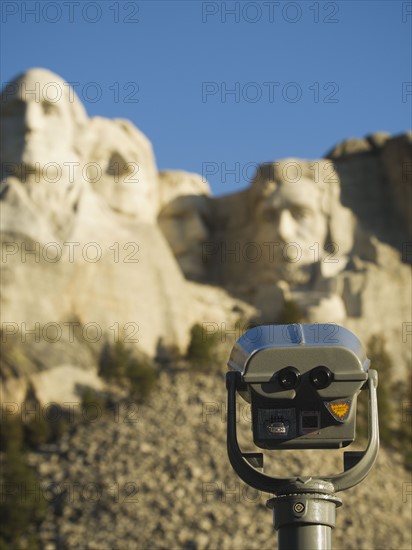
x,y
95,236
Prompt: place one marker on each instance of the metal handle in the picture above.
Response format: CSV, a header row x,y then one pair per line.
x,y
329,484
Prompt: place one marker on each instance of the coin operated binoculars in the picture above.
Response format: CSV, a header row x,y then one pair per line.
x,y
302,382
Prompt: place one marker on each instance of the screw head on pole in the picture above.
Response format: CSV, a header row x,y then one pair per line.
x,y
298,507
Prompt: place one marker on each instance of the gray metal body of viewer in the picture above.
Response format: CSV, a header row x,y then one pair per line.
x,y
302,382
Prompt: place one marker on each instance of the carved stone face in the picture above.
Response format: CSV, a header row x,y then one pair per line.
x,y
182,223
292,215
38,122
299,214
127,177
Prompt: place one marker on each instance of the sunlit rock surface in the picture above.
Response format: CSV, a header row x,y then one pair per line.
x,y
95,236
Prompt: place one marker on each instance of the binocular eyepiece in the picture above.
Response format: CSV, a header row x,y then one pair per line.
x,y
320,377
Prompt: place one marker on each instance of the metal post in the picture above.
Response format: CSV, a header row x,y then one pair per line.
x,y
304,521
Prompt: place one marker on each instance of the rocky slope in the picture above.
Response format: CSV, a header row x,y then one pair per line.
x,y
157,476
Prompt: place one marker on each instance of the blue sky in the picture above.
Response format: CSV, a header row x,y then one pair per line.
x,y
304,75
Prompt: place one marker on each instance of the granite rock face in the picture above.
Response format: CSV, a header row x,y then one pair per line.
x,y
126,172
94,234
397,161
185,204
331,235
81,243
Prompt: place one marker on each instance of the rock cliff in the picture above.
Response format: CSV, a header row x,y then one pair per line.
x,y
94,236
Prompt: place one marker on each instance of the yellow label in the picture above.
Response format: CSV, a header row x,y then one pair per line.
x,y
339,409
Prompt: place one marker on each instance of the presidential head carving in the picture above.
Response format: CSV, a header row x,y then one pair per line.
x,y
183,219
296,208
124,171
43,128
41,124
